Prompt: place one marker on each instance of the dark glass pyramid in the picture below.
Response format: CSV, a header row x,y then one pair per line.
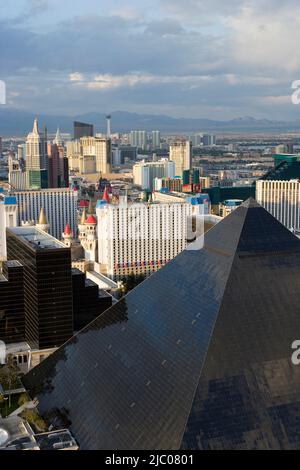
x,y
196,357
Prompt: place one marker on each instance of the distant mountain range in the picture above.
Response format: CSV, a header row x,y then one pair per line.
x,y
14,122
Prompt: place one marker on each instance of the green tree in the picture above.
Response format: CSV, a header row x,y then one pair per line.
x,y
23,399
9,375
132,281
34,419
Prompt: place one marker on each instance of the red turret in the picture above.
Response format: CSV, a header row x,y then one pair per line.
x,y
91,220
67,230
105,195
83,203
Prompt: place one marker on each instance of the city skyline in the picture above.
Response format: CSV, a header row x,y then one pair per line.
x,y
149,227
203,59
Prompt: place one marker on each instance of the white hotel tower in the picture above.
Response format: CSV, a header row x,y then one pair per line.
x,y
8,219
140,238
144,173
60,206
282,200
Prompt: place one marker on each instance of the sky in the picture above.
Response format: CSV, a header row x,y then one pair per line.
x,y
184,58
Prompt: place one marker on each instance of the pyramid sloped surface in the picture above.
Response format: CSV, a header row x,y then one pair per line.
x,y
197,356
248,396
128,380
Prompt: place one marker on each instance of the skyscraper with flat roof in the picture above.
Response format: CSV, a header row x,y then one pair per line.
x,y
82,129
140,238
47,285
144,173
156,139
181,155
8,218
60,206
138,139
12,314
100,149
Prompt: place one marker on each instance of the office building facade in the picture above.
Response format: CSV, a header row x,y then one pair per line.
x,y
156,139
12,313
209,140
181,155
98,150
47,285
8,218
139,139
88,300
73,154
36,159
18,179
82,129
140,238
281,199
36,150
144,173
167,184
60,206
123,153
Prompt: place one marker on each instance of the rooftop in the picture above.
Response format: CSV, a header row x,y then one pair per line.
x,y
218,194
56,440
285,171
37,239
13,264
16,434
13,348
48,190
8,200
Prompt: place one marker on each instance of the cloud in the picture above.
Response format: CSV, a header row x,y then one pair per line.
x,y
110,45
109,81
277,100
76,77
190,57
31,9
37,6
126,13
166,27
268,39
199,10
196,9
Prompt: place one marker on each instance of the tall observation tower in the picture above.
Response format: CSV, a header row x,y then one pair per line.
x,y
108,120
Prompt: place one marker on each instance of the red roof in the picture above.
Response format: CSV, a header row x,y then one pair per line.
x,y
105,195
83,203
91,220
67,230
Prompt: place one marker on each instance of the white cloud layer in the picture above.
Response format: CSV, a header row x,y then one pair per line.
x,y
198,56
